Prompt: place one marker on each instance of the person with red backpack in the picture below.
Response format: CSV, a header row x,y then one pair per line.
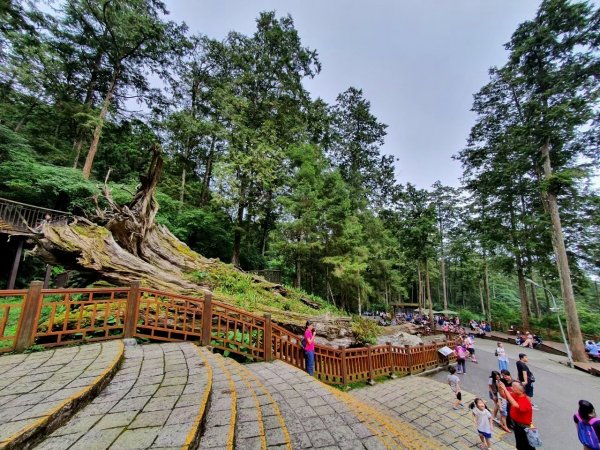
x,y
588,426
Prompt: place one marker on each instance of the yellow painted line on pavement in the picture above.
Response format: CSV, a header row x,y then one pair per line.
x,y
288,442
202,408
261,425
231,435
43,421
367,421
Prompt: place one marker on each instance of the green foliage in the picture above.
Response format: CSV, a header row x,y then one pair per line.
x,y
365,330
237,343
24,179
34,349
259,174
467,315
241,290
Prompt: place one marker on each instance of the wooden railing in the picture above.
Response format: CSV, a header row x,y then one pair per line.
x,y
53,317
25,218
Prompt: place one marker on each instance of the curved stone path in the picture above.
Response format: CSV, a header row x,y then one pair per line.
x,y
180,396
320,416
39,390
427,405
156,400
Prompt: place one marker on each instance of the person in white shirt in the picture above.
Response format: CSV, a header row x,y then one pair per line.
x,y
482,419
502,358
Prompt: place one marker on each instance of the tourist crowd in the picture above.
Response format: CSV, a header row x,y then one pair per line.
x,y
512,406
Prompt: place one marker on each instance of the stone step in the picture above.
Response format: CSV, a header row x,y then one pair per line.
x,y
221,417
394,432
157,399
260,424
319,416
38,391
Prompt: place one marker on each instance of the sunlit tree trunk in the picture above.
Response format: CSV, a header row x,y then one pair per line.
x,y
562,262
89,160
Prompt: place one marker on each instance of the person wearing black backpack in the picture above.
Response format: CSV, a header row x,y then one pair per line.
x,y
588,426
526,377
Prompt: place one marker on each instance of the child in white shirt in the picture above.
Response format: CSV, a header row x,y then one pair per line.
x,y
482,419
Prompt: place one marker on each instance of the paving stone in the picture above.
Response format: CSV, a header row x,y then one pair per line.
x,y
96,439
150,419
321,438
114,420
132,411
169,391
130,404
342,433
161,404
300,440
373,443
58,443
248,415
171,436
183,415
248,429
254,443
218,418
275,436
142,438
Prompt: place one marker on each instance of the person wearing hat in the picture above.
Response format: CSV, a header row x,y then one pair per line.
x,y
526,376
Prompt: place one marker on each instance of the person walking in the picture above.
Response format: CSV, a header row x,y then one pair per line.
x,y
521,413
482,419
501,355
461,357
525,376
588,426
454,383
309,347
469,343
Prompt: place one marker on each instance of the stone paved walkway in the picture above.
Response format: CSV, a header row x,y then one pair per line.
x,y
259,424
37,390
318,416
427,404
156,400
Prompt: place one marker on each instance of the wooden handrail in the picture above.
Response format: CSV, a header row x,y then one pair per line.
x,y
25,218
53,317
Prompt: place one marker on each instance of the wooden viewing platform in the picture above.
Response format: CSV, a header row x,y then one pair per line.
x,y
23,219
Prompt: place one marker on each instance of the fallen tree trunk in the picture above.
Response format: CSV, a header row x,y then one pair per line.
x,y
123,243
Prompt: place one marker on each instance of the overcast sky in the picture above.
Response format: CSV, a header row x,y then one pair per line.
x,y
419,62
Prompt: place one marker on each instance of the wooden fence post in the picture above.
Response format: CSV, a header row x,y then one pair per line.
x,y
371,380
390,351
206,319
132,310
27,326
344,367
267,344
409,359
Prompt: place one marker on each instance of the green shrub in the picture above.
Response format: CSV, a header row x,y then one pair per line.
x,y
365,331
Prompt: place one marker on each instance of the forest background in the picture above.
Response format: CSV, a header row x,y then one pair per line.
x,y
259,174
